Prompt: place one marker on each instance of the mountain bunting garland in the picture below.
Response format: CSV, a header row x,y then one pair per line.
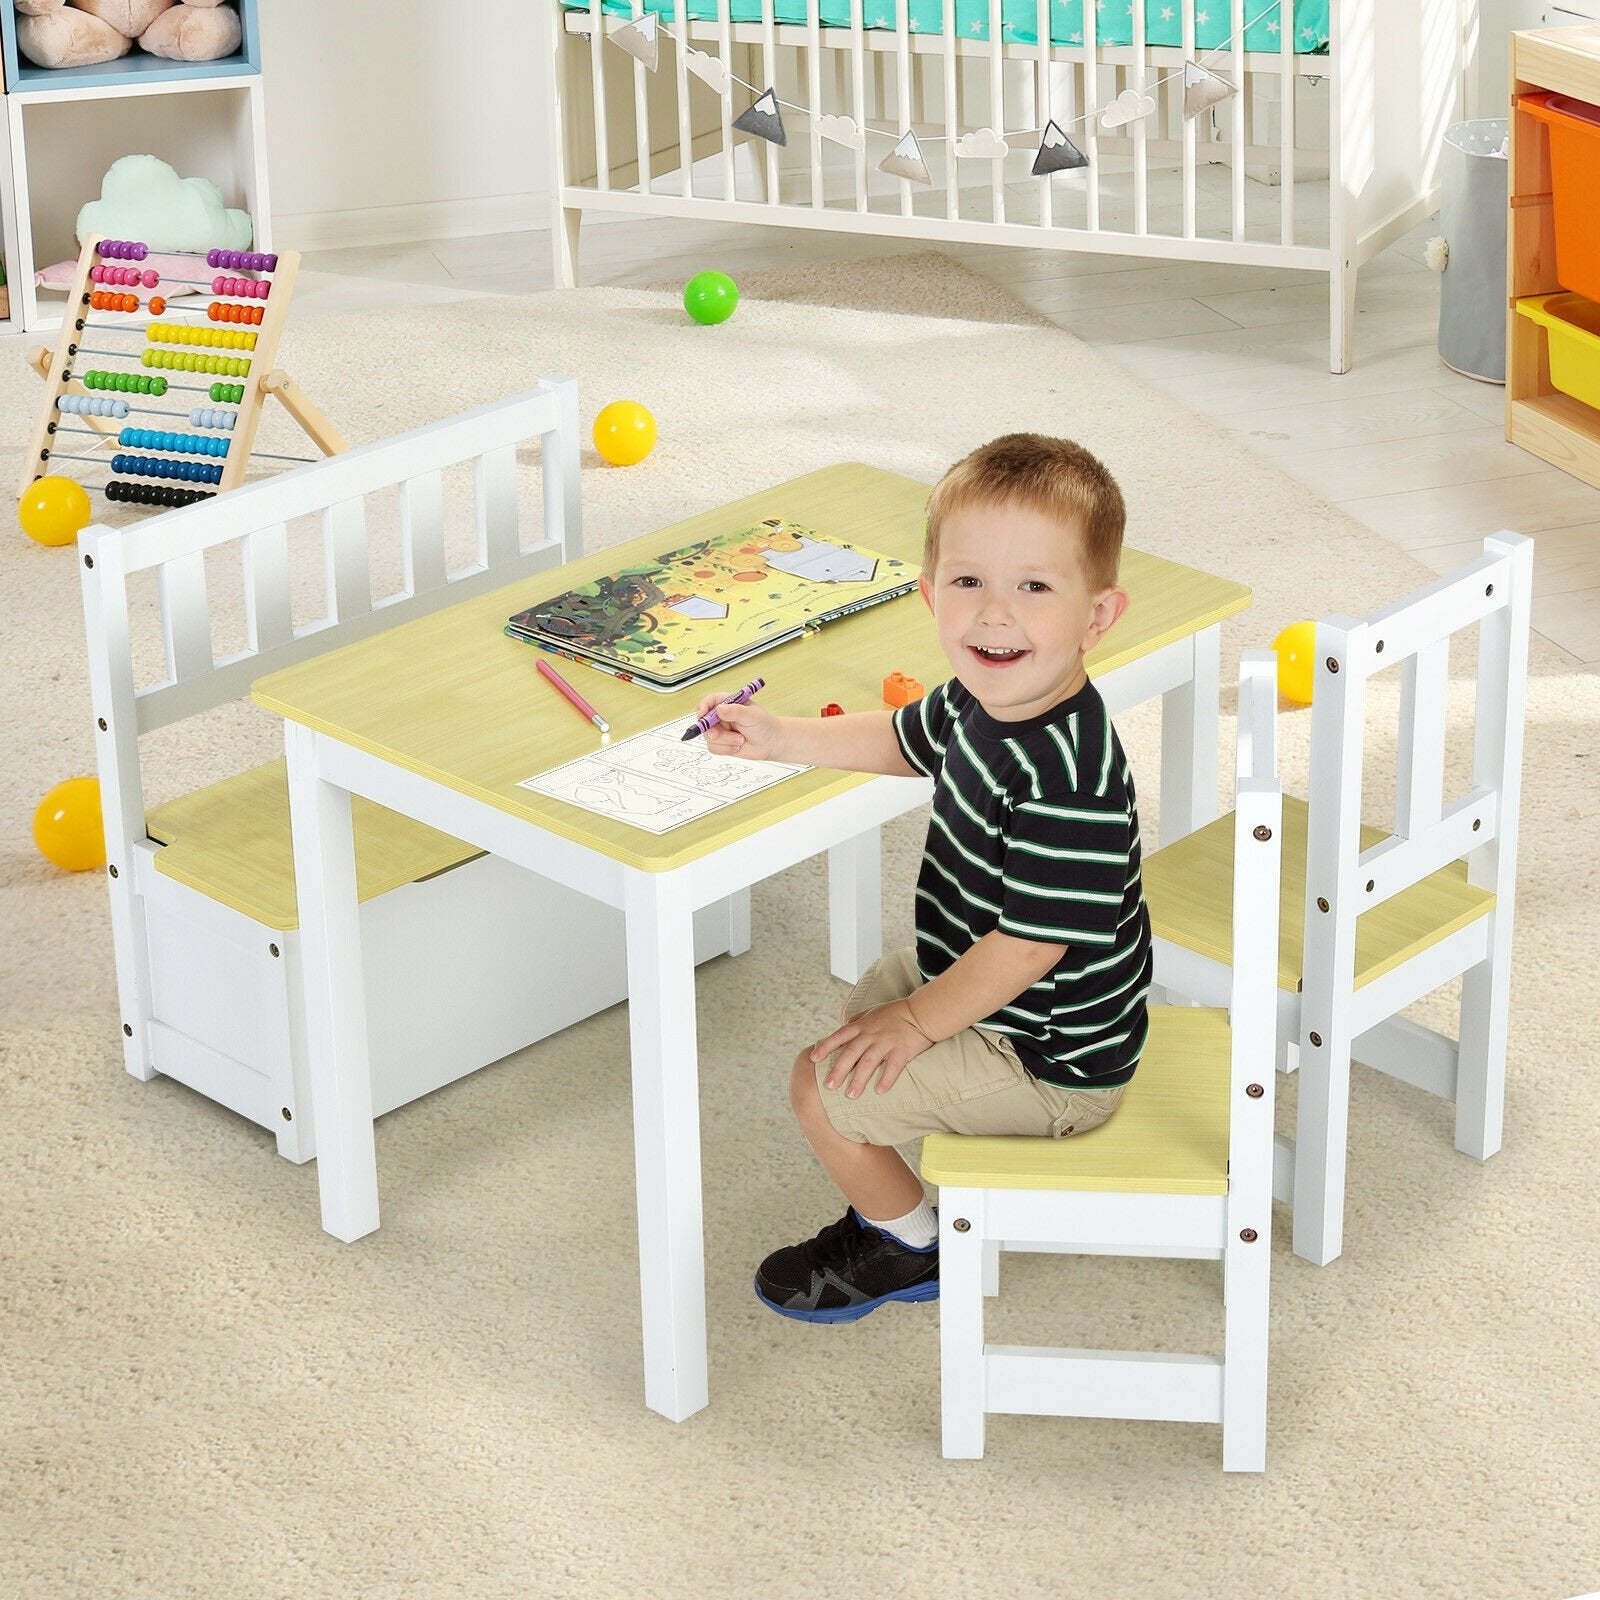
x,y
763,119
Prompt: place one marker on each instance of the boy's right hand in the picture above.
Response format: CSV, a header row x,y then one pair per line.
x,y
740,730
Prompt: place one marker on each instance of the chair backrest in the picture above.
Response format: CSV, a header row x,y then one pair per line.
x,y
1253,1002
1342,879
255,520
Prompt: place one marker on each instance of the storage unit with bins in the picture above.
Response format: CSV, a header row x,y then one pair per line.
x,y
63,127
1553,245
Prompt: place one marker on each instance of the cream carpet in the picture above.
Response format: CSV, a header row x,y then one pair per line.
x,y
205,1396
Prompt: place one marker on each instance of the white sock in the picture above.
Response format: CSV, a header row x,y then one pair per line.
x,y
916,1229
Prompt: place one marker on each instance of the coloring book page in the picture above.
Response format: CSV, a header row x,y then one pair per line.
x,y
656,780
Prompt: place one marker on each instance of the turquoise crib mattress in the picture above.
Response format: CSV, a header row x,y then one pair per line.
x,y
1020,19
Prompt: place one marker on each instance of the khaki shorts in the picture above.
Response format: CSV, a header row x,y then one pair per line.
x,y
971,1083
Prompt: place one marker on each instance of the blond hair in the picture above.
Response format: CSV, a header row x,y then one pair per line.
x,y
1056,477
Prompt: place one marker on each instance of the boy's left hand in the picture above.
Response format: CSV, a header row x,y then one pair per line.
x,y
883,1036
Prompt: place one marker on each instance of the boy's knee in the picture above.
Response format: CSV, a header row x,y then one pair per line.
x,y
803,1093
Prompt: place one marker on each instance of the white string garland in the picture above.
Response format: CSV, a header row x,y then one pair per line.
x,y
1009,133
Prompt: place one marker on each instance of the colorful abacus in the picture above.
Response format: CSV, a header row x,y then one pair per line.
x,y
235,343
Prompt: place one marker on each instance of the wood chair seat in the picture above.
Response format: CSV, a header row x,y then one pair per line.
x,y
1189,887
1169,1135
231,842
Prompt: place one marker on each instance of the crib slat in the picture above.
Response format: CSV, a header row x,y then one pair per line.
x,y
1091,107
1042,103
597,45
680,23
1141,129
725,49
858,98
641,114
769,80
422,532
268,617
902,85
1287,110
1189,178
814,100
344,550
1238,104
997,110
494,478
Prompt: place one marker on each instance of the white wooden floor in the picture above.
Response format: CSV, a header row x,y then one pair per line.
x,y
1411,448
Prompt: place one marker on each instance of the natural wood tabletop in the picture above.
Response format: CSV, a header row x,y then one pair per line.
x,y
451,697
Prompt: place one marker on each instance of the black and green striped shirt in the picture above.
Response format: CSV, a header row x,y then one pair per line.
x,y
1035,831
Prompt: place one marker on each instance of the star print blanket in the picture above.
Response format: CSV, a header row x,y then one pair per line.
x,y
1213,19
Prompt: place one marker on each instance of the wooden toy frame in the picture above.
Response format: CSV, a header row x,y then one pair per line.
x,y
263,380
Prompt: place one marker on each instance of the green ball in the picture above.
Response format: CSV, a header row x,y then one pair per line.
x,y
710,297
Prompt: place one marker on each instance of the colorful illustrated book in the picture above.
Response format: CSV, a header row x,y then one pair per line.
x,y
690,612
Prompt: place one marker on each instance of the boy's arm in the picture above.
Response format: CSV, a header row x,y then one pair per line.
x,y
997,969
991,974
858,741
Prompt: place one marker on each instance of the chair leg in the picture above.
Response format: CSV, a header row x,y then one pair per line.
x,y
1322,1126
1245,1269
962,1254
1481,1064
991,1268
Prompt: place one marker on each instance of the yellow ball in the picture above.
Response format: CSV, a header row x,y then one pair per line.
x,y
53,510
624,433
67,825
1297,661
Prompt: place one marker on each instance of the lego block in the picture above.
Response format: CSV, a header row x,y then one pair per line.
x,y
899,690
832,709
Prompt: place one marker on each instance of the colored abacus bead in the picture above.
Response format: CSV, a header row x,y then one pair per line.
x,y
157,305
209,417
87,405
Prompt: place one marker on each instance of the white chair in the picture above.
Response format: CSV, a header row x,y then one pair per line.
x,y
202,888
1371,922
1183,1169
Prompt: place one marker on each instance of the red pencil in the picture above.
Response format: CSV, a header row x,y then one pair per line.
x,y
552,676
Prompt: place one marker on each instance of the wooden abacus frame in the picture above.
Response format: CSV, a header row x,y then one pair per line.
x,y
262,380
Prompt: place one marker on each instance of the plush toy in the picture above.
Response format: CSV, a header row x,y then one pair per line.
x,y
80,33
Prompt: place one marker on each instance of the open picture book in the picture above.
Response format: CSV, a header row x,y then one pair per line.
x,y
690,612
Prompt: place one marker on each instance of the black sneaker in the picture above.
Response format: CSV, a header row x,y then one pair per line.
x,y
848,1270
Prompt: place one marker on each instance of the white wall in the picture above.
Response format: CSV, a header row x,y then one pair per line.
x,y
387,119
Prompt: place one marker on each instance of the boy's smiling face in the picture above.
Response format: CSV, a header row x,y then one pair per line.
x,y
1014,610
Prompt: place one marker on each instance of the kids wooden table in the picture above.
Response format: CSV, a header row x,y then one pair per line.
x,y
441,718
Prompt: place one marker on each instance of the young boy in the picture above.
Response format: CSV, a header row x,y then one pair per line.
x,y
1022,1009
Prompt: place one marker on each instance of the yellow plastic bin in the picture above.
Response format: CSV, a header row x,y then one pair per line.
x,y
1572,330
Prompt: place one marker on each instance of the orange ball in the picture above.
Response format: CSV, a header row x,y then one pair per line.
x,y
1297,661
158,305
624,433
53,510
68,827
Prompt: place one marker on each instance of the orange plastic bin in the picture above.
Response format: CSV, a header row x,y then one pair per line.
x,y
1574,127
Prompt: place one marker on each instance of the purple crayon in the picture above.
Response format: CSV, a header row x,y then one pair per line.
x,y
710,719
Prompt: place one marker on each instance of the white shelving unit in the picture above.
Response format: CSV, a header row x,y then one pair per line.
x,y
62,140
62,128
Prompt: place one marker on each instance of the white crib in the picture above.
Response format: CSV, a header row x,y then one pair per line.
x,y
1317,163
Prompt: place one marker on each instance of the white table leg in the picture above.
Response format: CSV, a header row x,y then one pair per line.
x,y
855,904
666,1142
1189,716
739,922
335,998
